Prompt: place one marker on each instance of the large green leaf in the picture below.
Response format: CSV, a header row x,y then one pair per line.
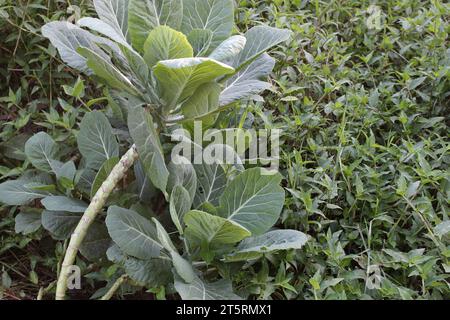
x,y
96,242
229,49
143,132
203,103
103,28
135,235
145,15
20,192
205,229
247,82
96,140
41,150
255,247
152,272
67,38
201,290
200,39
114,13
259,40
113,21
253,200
180,204
214,15
59,223
61,203
103,174
165,43
105,70
180,78
211,183
145,188
182,173
27,221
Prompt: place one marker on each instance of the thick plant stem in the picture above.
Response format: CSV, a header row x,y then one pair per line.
x,y
89,216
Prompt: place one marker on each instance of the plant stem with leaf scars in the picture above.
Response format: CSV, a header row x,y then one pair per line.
x,y
96,205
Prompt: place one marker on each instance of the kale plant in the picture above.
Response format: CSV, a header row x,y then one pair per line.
x,y
165,64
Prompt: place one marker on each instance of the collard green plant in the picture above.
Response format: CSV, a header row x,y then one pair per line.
x,y
165,64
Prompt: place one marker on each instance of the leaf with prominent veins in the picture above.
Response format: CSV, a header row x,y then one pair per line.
x,y
204,228
211,181
135,235
214,15
200,290
67,38
229,49
259,40
255,247
247,82
253,200
143,132
115,14
180,78
164,43
41,150
96,140
108,72
145,15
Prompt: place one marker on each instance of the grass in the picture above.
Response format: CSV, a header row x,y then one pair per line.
x,y
365,148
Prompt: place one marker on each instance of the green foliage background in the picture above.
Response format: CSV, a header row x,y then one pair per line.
x,y
365,148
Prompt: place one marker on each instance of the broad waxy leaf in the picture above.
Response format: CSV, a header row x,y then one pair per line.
x,y
182,173
201,290
103,174
203,103
211,182
180,78
20,192
67,38
259,40
96,140
145,15
144,185
113,21
165,43
143,132
96,243
255,247
229,49
27,222
107,71
103,28
214,15
84,180
247,81
204,228
135,235
253,200
152,272
59,223
61,203
200,39
41,150
180,204
114,13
